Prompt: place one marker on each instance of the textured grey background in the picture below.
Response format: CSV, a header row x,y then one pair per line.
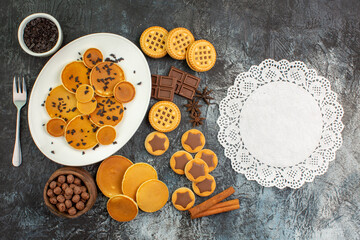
x,y
323,34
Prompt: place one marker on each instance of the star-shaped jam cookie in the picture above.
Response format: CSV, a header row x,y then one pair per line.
x,y
205,185
157,143
209,159
193,140
183,199
181,161
197,170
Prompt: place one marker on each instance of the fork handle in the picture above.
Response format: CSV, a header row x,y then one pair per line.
x,y
16,160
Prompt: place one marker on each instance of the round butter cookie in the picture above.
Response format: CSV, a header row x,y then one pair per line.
x,y
152,195
152,41
201,56
164,116
177,42
179,160
108,112
205,187
122,208
91,57
209,157
196,170
80,133
104,76
193,140
74,75
61,103
183,198
110,175
156,143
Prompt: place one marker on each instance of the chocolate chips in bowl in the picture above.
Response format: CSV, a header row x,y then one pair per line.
x,y
40,35
70,192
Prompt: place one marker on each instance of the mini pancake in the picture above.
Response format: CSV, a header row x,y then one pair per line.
x,y
62,104
205,187
84,93
136,175
104,76
152,195
156,143
80,133
73,75
110,174
88,107
179,160
91,57
193,140
209,157
124,92
108,112
56,127
122,208
196,170
183,198
106,135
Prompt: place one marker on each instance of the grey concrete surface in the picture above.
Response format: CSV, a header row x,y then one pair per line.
x,y
323,34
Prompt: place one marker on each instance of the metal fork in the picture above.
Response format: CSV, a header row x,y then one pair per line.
x,y
19,99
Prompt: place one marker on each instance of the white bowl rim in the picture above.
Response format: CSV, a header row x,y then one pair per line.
x,y
21,34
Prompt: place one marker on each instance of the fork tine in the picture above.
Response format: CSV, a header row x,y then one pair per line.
x,y
14,85
23,85
19,85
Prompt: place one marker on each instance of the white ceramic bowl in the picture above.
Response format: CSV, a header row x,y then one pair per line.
x,y
21,34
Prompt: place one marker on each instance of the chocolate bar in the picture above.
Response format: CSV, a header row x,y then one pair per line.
x,y
163,87
186,84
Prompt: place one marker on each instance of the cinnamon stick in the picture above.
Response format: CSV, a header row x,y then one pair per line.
x,y
225,204
217,211
211,202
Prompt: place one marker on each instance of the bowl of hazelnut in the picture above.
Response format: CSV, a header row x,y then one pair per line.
x,y
70,192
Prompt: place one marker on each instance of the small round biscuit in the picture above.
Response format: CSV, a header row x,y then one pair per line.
x,y
193,140
152,41
183,198
177,42
196,170
205,187
156,143
164,116
209,157
179,160
201,56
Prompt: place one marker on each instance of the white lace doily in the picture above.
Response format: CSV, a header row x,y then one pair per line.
x,y
280,124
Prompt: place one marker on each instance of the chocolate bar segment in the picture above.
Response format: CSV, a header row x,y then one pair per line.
x,y
163,87
186,84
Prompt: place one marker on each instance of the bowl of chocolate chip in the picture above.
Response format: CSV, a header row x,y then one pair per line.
x,y
40,35
70,192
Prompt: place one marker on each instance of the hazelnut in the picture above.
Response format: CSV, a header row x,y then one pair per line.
x,y
80,206
72,185
50,193
72,211
70,178
83,189
69,191
60,198
68,203
61,207
77,181
57,190
68,196
77,190
53,200
76,198
52,185
85,196
64,186
61,179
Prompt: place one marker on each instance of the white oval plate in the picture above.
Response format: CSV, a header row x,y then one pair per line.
x,y
136,70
